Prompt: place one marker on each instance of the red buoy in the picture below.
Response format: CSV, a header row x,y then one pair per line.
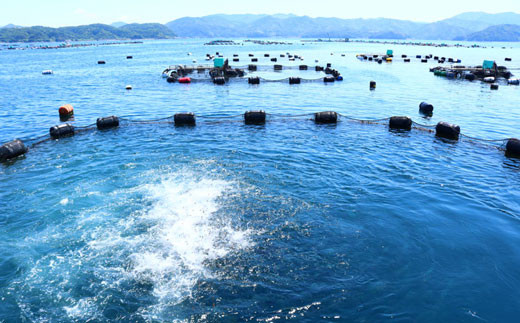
x,y
66,110
184,80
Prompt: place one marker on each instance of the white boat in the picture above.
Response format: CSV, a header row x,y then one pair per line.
x,y
489,79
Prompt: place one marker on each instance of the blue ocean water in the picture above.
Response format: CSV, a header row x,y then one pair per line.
x,y
228,222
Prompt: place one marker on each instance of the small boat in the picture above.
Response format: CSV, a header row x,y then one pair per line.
x,y
47,72
489,79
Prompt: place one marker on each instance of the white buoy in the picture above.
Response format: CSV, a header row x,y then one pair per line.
x,y
128,87
189,54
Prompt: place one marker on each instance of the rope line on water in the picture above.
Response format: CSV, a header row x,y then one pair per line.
x,y
220,117
40,139
363,120
290,115
86,127
485,140
151,120
423,125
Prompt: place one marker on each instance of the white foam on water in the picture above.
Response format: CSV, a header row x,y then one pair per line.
x,y
185,233
85,308
174,230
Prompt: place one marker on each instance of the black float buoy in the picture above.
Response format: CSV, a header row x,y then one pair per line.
x,y
171,79
329,79
107,122
129,57
508,59
274,59
426,108
236,60
407,60
254,59
403,123
447,130
62,130
326,117
319,68
470,77
295,80
303,67
12,149
252,67
101,62
184,119
513,148
251,55
372,85
329,65
253,80
424,60
418,56
278,67
219,80
494,87
266,55
254,117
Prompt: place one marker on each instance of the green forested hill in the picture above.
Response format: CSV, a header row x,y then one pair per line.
x,y
88,32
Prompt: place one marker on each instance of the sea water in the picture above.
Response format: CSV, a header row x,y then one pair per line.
x,y
228,222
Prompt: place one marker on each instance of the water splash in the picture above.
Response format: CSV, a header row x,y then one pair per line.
x,y
167,244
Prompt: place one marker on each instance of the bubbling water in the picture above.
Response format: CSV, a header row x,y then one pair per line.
x,y
166,244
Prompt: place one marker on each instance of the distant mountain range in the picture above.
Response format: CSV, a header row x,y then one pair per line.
x,y
460,27
118,24
88,32
471,26
11,26
505,33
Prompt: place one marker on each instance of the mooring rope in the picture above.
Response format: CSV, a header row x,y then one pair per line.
x,y
363,120
227,118
485,140
423,125
147,121
220,117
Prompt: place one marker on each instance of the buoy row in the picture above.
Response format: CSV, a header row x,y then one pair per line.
x,y
445,130
389,58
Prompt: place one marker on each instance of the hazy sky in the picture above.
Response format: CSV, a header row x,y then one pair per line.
x,y
78,12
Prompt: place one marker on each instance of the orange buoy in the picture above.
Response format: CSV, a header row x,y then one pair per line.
x,y
66,110
184,80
